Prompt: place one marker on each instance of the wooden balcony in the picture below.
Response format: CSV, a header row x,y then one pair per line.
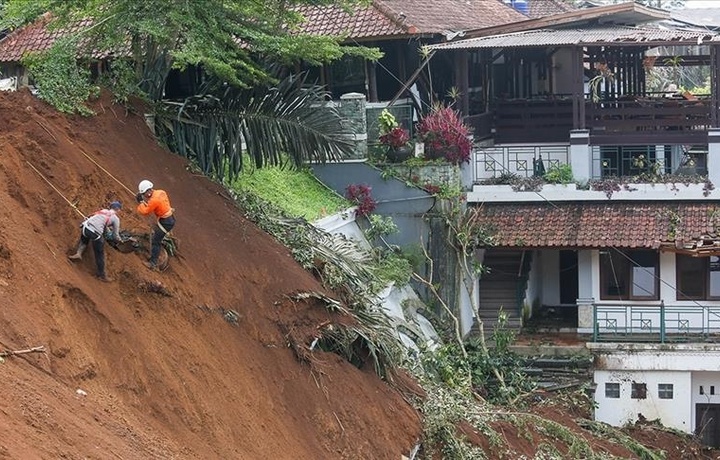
x,y
649,121
542,120
632,121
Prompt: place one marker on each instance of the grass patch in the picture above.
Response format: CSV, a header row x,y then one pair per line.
x,y
297,192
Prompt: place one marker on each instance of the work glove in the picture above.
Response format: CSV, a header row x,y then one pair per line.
x,y
139,198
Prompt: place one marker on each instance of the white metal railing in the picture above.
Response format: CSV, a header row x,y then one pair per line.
x,y
658,323
492,162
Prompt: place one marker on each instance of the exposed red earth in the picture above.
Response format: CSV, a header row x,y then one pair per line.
x,y
151,365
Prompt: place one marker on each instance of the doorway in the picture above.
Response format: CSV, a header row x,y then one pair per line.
x,y
707,423
568,277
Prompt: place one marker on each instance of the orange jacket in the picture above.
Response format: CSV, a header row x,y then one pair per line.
x,y
158,204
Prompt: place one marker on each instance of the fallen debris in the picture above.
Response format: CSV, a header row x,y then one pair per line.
x,y
5,354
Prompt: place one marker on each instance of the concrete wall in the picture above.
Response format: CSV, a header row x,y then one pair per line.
x,y
406,205
675,413
685,366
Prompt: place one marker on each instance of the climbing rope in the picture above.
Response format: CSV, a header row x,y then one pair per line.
x,y
55,188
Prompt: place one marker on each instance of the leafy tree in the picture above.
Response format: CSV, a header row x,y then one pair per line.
x,y
224,37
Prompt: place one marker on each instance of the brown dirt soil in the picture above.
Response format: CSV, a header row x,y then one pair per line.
x,y
165,375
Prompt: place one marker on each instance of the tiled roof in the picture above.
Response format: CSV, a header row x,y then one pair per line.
x,y
36,37
440,16
402,17
542,8
582,36
598,224
360,23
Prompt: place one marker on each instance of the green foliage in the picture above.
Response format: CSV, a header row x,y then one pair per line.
x,y
559,174
380,226
443,409
296,191
608,432
60,80
391,266
342,266
14,14
387,121
227,38
288,121
121,81
501,358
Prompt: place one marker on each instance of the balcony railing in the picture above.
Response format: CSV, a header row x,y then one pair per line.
x,y
655,323
492,162
636,119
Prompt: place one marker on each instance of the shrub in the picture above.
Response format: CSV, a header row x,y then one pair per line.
x,y
60,80
360,195
559,174
445,136
395,138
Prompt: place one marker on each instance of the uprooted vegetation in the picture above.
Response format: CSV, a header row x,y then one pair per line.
x,y
250,356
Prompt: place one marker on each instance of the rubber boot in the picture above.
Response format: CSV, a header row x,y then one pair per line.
x,y
78,255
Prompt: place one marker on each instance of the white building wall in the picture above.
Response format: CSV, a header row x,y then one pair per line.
x,y
534,288
685,366
675,413
550,277
710,383
668,281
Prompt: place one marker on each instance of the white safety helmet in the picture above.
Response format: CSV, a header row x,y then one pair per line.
x,y
144,186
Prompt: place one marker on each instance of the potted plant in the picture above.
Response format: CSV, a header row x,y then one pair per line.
x,y
394,138
445,135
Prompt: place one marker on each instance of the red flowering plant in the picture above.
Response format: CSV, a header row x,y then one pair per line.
x,y
395,138
360,195
445,136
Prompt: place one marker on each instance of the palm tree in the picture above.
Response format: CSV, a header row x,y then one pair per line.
x,y
226,125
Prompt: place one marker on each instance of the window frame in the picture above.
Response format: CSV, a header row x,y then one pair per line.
x,y
625,258
664,389
680,291
610,389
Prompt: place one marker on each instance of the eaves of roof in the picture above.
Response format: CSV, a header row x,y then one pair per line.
x,y
621,13
590,36
650,225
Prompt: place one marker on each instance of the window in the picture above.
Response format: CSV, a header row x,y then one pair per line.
x,y
638,391
629,275
698,277
665,390
612,390
634,160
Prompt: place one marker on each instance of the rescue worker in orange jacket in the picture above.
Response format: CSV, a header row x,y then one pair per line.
x,y
151,201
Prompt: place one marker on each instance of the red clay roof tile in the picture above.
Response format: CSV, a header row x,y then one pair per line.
x,y
398,17
36,37
597,225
